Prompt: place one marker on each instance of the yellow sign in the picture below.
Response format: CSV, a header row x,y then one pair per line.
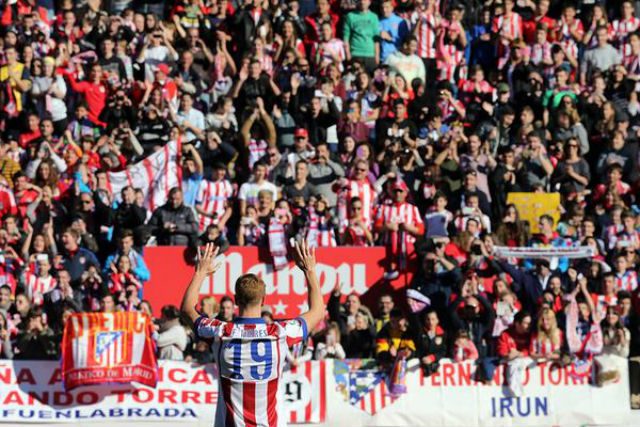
x,y
531,206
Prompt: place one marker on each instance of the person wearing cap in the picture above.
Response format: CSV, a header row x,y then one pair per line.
x,y
162,81
400,224
599,58
302,150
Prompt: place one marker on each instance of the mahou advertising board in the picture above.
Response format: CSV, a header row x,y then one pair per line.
x,y
355,269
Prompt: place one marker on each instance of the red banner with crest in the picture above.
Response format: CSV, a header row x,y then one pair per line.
x,y
99,348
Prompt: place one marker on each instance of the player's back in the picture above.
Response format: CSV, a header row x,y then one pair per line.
x,y
250,355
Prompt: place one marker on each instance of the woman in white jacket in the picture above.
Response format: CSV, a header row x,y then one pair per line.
x,y
331,348
172,339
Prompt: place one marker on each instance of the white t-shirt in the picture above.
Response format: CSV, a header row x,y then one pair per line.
x,y
249,191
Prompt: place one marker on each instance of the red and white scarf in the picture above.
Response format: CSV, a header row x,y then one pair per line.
x,y
278,243
320,232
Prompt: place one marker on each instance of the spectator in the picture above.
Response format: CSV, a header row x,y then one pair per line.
x,y
359,32
174,223
360,341
394,340
227,308
331,348
172,337
431,341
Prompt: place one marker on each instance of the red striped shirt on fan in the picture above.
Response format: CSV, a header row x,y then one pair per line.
x,y
212,199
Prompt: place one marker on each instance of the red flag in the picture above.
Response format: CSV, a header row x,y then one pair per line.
x,y
99,348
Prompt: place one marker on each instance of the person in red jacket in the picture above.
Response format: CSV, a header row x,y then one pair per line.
x,y
94,91
514,342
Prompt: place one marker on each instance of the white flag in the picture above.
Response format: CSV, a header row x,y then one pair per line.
x,y
155,176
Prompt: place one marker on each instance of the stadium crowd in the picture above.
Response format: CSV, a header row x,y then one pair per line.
x,y
399,123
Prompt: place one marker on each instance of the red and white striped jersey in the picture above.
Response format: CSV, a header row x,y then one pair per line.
x,y
365,191
628,281
320,233
400,213
566,38
450,59
621,30
602,302
510,26
38,286
544,346
257,149
250,356
540,52
212,198
426,34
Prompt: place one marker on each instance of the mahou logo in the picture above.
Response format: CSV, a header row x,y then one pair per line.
x,y
288,281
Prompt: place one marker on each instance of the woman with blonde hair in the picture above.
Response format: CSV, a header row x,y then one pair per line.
x,y
547,340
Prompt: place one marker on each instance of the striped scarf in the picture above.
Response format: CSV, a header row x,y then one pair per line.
x,y
320,233
278,243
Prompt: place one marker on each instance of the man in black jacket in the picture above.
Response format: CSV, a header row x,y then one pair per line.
x,y
130,216
474,314
174,223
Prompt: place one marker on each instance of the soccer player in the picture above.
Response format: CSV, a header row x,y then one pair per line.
x,y
249,353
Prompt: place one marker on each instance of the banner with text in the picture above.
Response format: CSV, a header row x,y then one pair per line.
x,y
531,206
100,348
32,392
354,269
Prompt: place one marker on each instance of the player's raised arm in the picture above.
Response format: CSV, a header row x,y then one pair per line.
x,y
204,267
306,261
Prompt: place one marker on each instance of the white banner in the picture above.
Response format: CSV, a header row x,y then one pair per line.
x,y
155,176
32,392
451,397
546,252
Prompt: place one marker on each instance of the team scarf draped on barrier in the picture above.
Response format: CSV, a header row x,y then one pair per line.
x,y
100,348
542,253
155,176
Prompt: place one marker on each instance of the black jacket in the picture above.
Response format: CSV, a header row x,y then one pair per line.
x,y
184,219
479,327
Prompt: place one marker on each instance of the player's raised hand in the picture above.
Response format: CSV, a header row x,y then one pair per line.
x,y
206,259
305,257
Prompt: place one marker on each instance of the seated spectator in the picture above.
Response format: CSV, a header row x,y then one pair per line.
x,y
394,340
547,339
36,340
331,347
360,341
174,224
430,339
464,348
172,338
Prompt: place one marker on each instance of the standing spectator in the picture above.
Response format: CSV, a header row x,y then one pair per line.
x,y
360,30
172,337
174,223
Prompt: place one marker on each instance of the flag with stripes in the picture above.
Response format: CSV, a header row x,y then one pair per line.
x,y
368,391
155,176
102,348
305,392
